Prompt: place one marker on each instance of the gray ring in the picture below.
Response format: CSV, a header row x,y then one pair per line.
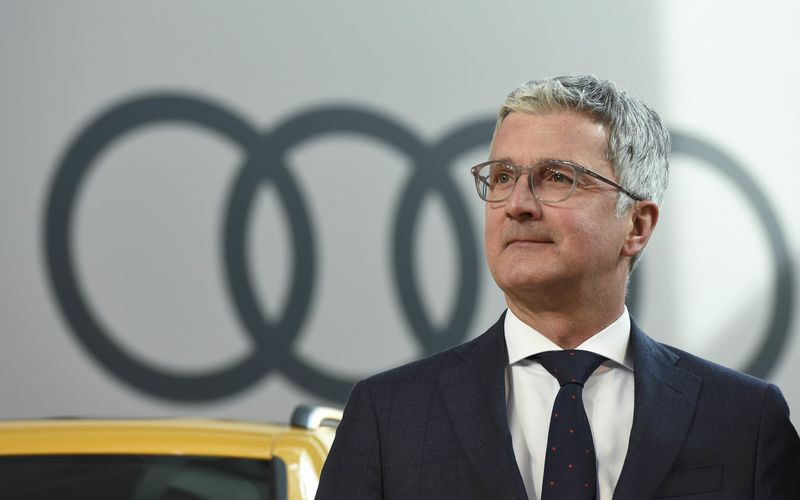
x,y
765,359
90,332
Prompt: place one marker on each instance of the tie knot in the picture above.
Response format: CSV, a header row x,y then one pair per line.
x,y
569,366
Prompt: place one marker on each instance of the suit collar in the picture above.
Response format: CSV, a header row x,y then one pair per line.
x,y
474,395
665,400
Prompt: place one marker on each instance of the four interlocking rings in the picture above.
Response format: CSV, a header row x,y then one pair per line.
x,y
265,161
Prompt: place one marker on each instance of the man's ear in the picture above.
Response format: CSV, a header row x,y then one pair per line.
x,y
642,221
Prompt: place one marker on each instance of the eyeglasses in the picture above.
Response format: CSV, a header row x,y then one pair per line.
x,y
550,181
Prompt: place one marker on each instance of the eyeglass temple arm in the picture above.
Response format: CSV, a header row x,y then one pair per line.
x,y
612,183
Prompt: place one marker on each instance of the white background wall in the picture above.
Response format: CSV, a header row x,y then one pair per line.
x,y
149,220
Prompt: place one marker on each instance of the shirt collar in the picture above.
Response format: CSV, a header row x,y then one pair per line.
x,y
611,342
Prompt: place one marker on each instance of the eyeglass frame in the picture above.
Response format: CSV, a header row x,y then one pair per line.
x,y
527,169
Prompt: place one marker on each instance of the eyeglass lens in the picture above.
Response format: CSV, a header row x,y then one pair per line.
x,y
552,182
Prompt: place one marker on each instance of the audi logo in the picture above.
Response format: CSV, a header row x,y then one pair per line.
x,y
273,338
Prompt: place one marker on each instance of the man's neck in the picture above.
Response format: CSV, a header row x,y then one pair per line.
x,y
567,327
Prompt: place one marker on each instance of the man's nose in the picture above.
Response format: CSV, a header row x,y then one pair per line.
x,y
522,204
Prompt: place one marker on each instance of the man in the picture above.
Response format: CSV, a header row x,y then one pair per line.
x,y
572,190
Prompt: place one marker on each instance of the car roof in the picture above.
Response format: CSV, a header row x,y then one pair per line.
x,y
172,436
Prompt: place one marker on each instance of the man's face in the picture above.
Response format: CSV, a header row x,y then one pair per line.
x,y
537,247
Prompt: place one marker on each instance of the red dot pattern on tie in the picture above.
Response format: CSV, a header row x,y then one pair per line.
x,y
571,473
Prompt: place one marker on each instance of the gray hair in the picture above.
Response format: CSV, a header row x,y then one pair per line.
x,y
638,143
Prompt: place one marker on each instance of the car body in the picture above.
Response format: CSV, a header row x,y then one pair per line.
x,y
160,459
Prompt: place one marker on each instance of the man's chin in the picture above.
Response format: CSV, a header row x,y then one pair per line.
x,y
530,282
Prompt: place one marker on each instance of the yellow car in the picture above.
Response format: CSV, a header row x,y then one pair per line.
x,y
165,459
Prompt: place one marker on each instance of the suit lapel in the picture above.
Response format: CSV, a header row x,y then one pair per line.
x,y
474,395
665,398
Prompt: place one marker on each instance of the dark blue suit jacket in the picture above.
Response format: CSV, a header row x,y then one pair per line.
x,y
437,429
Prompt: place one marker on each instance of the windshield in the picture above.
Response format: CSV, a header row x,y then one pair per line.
x,y
136,477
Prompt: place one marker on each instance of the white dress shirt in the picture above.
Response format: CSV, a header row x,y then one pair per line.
x,y
607,397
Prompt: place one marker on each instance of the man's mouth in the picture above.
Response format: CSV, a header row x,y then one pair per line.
x,y
528,241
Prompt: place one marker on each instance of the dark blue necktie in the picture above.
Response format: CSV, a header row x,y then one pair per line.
x,y
570,467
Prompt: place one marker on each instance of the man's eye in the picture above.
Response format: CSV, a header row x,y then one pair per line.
x,y
556,176
502,178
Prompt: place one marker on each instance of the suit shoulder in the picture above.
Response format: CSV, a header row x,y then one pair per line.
x,y
428,366
431,366
715,373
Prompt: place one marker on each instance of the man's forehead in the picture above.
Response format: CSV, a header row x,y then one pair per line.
x,y
526,137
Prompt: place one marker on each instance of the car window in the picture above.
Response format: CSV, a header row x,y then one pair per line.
x,y
136,477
